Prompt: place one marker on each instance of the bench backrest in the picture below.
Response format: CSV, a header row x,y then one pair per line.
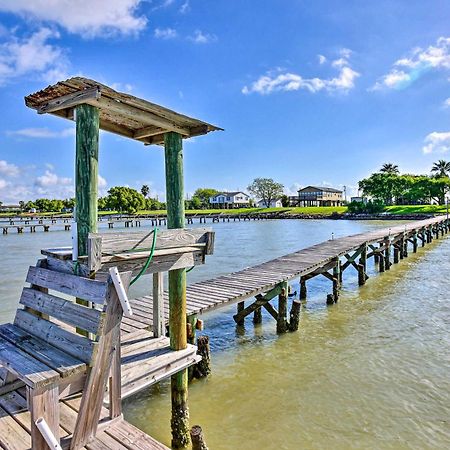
x,y
57,319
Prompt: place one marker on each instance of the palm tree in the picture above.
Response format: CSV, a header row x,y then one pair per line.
x,y
441,168
389,168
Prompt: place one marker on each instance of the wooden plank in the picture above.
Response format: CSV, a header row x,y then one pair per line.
x,y
74,344
69,100
90,290
113,243
64,310
31,371
66,365
13,436
158,323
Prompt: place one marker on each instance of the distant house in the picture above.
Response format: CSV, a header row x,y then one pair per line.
x,y
9,208
228,200
275,203
319,196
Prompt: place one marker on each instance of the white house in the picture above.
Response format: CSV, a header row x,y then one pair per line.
x,y
275,203
230,200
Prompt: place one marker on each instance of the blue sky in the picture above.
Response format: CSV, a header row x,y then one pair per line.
x,y
309,92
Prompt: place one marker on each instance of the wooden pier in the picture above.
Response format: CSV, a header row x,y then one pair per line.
x,y
268,280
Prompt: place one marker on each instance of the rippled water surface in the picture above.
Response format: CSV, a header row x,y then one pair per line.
x,y
371,372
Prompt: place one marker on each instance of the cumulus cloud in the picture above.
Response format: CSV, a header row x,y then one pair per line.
x,y
8,170
437,142
410,68
88,18
281,80
447,103
3,183
165,33
51,179
199,37
43,133
33,54
322,59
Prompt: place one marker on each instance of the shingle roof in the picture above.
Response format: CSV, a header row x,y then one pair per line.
x,y
321,188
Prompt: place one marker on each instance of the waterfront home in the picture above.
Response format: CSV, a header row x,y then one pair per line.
x,y
318,196
228,200
275,203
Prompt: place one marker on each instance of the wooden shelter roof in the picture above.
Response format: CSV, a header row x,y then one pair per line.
x,y
120,113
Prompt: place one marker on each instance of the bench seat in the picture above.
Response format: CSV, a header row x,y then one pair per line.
x,y
64,364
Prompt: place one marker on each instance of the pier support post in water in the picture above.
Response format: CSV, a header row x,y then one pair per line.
x,y
396,254
86,173
387,253
362,266
303,291
336,279
257,316
203,368
282,308
294,316
198,441
240,308
177,288
380,261
415,243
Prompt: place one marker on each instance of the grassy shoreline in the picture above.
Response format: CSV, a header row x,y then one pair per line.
x,y
313,210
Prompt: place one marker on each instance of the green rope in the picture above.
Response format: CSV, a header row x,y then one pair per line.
x,y
76,267
190,269
149,259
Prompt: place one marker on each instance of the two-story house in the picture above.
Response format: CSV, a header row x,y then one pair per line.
x,y
319,196
228,200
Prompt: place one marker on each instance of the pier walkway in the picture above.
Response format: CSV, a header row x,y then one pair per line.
x,y
330,258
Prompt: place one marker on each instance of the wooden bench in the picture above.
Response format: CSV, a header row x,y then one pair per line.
x,y
44,349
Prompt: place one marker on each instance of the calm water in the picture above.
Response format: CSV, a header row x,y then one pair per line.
x,y
371,372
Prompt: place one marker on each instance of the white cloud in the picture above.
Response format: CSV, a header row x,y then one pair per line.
x,y
410,68
280,80
165,33
88,18
8,170
123,87
322,59
44,133
51,179
437,142
185,7
32,55
3,183
447,103
199,37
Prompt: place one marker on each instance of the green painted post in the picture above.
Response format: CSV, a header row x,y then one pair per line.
x,y
177,288
86,173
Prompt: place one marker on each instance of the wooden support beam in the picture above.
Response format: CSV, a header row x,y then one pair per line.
x,y
240,308
414,242
362,267
396,254
260,301
86,174
294,315
303,290
336,279
177,289
70,100
271,310
257,316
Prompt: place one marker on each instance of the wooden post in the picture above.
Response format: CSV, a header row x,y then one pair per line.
x,y
396,254
86,173
336,280
415,242
362,267
177,288
240,308
203,368
198,441
381,262
257,316
282,309
294,316
387,253
159,325
303,291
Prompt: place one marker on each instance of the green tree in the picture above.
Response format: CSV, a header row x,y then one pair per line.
x,y
204,194
102,204
285,201
441,168
389,168
145,190
266,189
125,199
69,203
